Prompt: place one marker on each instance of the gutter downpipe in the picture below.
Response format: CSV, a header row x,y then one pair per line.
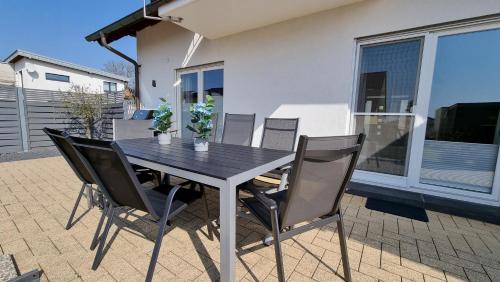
x,y
105,44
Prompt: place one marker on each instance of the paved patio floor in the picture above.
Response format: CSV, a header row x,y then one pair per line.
x,y
36,196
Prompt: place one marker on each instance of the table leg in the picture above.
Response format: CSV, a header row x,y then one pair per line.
x,y
228,232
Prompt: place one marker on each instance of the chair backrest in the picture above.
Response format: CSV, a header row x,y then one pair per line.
x,y
215,119
238,129
322,168
113,173
130,129
69,153
279,133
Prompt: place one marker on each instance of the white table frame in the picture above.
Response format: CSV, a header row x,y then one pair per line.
x,y
227,190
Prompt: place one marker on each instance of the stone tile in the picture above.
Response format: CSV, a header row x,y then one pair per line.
x,y
430,271
372,255
474,276
404,272
493,273
378,273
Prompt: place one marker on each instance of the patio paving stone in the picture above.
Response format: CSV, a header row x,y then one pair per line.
x,y
36,197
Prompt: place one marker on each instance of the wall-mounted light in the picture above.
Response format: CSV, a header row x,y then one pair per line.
x,y
153,83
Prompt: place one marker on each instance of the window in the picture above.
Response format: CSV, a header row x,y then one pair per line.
x,y
195,85
56,77
109,87
387,88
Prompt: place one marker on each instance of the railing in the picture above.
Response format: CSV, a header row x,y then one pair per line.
x,y
10,126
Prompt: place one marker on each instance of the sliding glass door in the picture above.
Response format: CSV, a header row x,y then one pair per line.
x,y
430,106
463,124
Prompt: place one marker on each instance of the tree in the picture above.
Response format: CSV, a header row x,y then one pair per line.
x,y
121,68
85,108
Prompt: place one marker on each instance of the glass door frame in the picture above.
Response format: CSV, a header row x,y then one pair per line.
x,y
178,95
411,182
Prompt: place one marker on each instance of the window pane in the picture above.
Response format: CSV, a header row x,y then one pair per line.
x,y
56,77
388,76
112,86
213,84
106,86
386,145
463,123
189,96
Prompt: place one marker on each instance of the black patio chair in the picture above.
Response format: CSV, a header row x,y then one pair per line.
x,y
140,127
279,134
67,150
323,167
238,129
108,165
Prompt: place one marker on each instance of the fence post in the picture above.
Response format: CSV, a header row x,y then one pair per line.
x,y
22,118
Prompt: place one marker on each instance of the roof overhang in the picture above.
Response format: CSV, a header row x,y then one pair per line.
x,y
218,18
130,24
20,54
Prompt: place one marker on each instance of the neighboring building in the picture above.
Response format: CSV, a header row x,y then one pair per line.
x,y
342,66
39,72
7,74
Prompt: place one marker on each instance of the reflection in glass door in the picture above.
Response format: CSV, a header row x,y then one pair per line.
x,y
463,123
189,96
213,85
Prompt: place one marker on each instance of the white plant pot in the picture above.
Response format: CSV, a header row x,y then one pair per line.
x,y
165,138
200,144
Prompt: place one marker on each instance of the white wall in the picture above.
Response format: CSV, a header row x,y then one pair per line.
x,y
36,79
302,67
6,74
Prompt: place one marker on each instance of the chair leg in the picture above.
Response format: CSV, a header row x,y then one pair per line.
x,y
343,248
277,246
192,186
102,243
283,181
207,213
95,240
72,215
159,238
90,196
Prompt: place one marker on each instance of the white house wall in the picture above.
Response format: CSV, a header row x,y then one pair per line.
x,y
35,79
298,68
6,74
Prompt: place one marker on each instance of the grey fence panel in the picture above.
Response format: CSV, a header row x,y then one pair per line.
x,y
10,127
47,109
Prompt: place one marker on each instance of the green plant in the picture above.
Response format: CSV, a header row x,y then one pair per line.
x,y
162,117
201,118
86,106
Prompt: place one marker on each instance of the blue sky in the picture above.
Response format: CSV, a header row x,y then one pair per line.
x,y
56,28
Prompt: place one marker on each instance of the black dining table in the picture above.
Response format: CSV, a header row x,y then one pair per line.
x,y
223,166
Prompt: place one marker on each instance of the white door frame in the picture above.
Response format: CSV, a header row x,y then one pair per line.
x,y
199,76
420,110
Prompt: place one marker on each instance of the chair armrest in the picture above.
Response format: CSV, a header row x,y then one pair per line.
x,y
285,167
260,196
170,197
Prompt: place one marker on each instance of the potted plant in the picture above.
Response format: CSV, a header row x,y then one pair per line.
x,y
162,122
201,119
